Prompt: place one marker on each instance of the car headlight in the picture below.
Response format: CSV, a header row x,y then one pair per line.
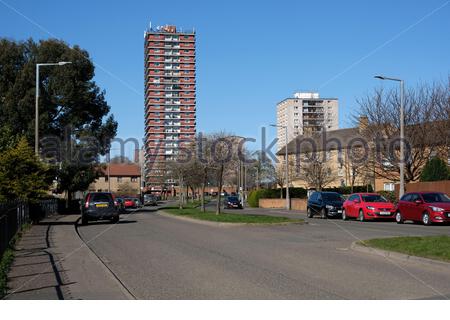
x,y
329,207
436,209
370,208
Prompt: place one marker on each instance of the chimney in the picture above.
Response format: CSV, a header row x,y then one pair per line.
x,y
363,123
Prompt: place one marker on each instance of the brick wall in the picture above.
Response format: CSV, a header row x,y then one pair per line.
x,y
438,186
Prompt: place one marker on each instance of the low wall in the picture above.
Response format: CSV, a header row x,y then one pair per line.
x,y
296,204
272,203
439,186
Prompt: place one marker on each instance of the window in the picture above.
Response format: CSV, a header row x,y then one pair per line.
x,y
389,186
106,178
406,197
414,197
119,179
133,179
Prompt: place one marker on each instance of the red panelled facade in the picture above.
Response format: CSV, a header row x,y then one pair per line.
x,y
170,99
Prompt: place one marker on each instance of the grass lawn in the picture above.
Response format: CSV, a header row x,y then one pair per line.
x,y
229,217
433,247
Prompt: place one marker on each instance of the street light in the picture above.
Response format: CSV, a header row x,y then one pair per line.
x,y
402,130
36,124
241,177
288,201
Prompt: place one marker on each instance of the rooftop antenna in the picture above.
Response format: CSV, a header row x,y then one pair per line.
x,y
150,25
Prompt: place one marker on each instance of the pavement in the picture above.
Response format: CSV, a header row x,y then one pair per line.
x,y
149,256
52,262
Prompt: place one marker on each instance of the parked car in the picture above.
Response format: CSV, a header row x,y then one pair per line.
x,y
325,204
150,200
99,206
129,203
425,207
367,206
137,202
120,204
232,202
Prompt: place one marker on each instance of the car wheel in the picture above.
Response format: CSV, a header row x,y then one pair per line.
x,y
115,219
426,219
84,220
323,213
398,217
361,216
309,213
344,215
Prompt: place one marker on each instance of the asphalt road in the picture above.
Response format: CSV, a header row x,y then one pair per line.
x,y
158,257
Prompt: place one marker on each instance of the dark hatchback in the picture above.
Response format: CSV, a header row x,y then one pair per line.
x,y
325,204
99,206
232,202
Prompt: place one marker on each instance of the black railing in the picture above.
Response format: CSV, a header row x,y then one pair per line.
x,y
14,214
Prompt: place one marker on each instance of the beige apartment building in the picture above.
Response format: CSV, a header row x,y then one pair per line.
x,y
352,160
119,178
335,155
304,114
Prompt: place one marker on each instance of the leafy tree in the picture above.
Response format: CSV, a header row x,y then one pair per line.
x,y
22,175
435,170
74,124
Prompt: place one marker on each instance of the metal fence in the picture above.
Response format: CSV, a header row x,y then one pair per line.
x,y
14,214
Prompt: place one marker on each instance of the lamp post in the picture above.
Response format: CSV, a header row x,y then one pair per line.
x,y
36,124
402,131
288,201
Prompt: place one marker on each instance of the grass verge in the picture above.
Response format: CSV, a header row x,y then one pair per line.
x,y
6,261
195,213
433,247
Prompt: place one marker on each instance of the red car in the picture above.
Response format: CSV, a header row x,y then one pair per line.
x,y
367,206
425,207
129,203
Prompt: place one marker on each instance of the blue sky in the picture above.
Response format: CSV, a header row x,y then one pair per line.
x,y
250,54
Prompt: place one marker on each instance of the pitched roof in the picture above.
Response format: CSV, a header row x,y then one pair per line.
x,y
122,170
329,140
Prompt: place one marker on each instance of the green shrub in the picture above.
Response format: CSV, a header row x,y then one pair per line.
x,y
435,170
390,195
348,189
254,196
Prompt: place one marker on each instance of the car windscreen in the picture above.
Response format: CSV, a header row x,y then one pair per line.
x,y
373,198
435,197
232,199
101,197
332,197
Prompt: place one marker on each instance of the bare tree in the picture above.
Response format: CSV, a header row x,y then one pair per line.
x,y
427,127
205,160
224,155
317,173
355,166
279,174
